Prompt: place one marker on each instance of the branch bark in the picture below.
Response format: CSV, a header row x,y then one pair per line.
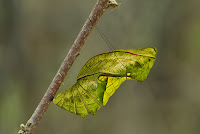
x,y
94,17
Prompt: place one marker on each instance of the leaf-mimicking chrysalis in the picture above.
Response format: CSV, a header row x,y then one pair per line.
x,y
102,75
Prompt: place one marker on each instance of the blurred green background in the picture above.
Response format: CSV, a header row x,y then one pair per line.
x,y
36,35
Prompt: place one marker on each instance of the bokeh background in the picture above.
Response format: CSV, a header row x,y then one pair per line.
x,y
36,35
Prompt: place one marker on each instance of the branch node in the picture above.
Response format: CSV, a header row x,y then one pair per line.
x,y
112,4
23,129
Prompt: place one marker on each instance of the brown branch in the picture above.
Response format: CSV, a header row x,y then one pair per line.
x,y
94,17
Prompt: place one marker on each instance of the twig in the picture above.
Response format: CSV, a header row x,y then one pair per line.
x,y
95,15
